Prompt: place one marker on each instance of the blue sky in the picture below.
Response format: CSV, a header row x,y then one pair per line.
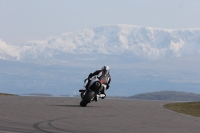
x,y
23,20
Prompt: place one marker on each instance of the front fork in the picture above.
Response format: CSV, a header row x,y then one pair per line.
x,y
83,94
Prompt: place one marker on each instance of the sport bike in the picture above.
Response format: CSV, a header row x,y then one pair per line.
x,y
94,90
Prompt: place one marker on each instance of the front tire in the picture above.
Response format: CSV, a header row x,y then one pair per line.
x,y
87,98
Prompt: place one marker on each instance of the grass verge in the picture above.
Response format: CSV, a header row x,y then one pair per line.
x,y
189,108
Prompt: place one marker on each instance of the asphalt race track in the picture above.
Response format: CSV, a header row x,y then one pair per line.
x,y
64,115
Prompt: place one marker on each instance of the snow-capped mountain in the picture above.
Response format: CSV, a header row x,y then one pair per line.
x,y
141,59
143,42
9,52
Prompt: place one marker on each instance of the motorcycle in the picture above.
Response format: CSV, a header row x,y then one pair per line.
x,y
94,90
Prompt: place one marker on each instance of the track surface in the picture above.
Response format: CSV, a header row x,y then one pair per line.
x,y
64,115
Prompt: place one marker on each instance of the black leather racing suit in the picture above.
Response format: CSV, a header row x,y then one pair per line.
x,y
97,72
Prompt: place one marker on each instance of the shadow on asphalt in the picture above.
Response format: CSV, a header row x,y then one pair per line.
x,y
72,106
67,105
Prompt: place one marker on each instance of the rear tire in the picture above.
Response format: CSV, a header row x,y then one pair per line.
x,y
87,98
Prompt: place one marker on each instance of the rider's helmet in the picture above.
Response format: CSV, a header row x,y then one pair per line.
x,y
105,70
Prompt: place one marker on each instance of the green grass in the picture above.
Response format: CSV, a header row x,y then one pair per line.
x,y
189,108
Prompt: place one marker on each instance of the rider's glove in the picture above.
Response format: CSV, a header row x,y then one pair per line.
x,y
89,76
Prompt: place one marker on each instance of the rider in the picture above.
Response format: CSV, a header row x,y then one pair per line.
x,y
104,71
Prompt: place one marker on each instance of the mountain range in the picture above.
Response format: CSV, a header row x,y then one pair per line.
x,y
142,59
137,41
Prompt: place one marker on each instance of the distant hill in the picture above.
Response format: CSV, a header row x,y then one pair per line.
x,y
39,94
167,95
5,94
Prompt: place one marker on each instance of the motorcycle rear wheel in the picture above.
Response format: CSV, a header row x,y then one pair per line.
x,y
87,98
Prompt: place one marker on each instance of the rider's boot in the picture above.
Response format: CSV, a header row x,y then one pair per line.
x,y
102,95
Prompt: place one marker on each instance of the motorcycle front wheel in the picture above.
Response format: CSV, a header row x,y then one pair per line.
x,y
87,98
